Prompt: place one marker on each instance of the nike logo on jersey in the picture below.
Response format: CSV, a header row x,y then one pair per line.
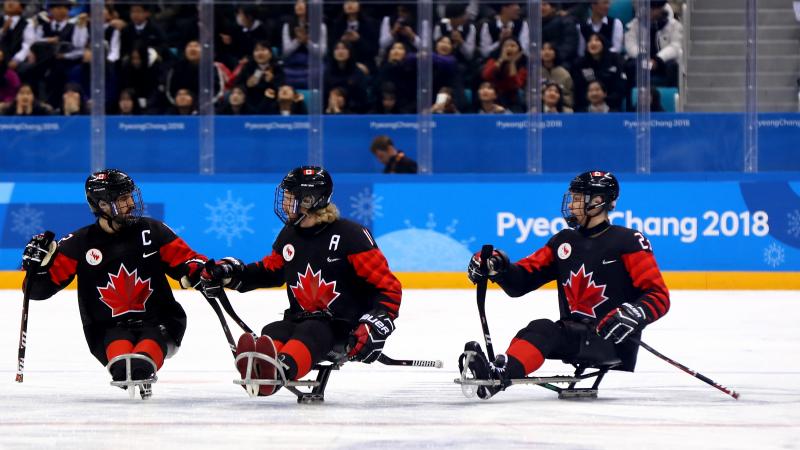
x,y
330,260
147,255
609,262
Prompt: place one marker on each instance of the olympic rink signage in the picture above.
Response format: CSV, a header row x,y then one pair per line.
x,y
434,224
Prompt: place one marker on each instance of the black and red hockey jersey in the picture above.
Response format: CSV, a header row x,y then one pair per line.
x,y
121,276
333,268
596,271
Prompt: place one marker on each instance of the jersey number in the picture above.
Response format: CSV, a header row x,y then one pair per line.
x,y
644,242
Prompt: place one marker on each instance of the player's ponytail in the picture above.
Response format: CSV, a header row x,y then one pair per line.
x,y
327,214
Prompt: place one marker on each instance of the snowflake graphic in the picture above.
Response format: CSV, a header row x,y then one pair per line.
x,y
27,221
450,229
774,255
366,206
794,223
229,218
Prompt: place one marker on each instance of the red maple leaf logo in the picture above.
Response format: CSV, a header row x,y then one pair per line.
x,y
583,295
125,292
312,291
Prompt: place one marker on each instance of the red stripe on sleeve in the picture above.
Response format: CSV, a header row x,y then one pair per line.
x,y
372,266
178,252
646,277
63,269
273,262
537,261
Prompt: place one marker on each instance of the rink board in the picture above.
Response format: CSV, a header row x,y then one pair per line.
x,y
734,231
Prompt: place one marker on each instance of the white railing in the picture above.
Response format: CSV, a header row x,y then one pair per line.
x,y
683,62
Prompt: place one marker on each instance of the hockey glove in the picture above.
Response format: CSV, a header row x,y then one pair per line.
x,y
194,269
366,341
495,265
223,272
39,251
618,324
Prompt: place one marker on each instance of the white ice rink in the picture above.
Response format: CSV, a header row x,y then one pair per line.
x,y
749,341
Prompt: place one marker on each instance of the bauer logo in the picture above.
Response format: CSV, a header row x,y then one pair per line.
x,y
94,257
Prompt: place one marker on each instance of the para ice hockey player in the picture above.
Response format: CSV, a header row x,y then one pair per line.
x,y
609,288
121,262
343,298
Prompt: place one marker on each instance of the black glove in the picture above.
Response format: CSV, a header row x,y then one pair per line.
x,y
621,322
496,264
194,270
39,251
366,341
222,272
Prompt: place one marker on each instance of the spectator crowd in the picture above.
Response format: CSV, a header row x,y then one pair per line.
x,y
262,55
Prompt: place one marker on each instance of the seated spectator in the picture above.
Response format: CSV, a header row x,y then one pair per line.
x,y
17,35
9,80
294,51
286,102
561,31
505,25
25,104
112,32
236,104
445,102
596,95
394,160
249,32
487,98
141,71
185,104
599,64
359,31
463,34
337,102
400,69
553,71
260,73
59,49
445,65
666,34
345,72
143,32
128,104
398,27
508,74
600,22
553,100
185,74
72,103
387,101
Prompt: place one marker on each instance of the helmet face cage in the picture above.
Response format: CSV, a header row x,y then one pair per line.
x,y
589,185
109,186
305,187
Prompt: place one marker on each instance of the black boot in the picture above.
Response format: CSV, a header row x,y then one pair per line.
x,y
141,369
482,369
117,371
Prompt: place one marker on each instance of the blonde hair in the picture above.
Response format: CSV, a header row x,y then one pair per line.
x,y
328,214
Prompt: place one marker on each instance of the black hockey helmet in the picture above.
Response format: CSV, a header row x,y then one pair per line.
x,y
590,185
107,186
310,187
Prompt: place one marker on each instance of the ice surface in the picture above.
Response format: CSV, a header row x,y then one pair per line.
x,y
745,340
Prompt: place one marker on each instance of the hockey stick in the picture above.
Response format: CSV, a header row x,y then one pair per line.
x,y
23,326
691,372
383,359
212,300
486,253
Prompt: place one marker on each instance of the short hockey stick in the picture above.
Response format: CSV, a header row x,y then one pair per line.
x,y
23,326
486,253
691,372
383,359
